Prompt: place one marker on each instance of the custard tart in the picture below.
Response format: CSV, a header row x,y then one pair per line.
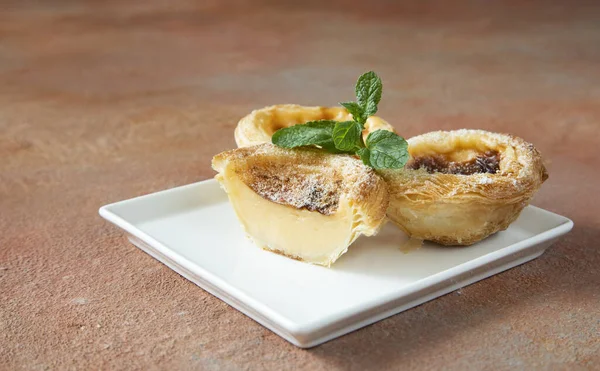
x,y
461,186
302,203
258,126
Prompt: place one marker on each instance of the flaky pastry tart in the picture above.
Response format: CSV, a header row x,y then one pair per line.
x,y
302,203
461,186
259,126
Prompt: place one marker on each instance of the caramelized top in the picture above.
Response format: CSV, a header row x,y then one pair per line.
x,y
286,185
488,162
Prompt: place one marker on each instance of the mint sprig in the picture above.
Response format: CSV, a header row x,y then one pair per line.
x,y
319,133
382,150
368,92
387,150
347,136
357,112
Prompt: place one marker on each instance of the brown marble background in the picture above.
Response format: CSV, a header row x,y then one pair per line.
x,y
102,101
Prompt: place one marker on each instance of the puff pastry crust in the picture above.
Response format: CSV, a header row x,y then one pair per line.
x,y
464,185
258,126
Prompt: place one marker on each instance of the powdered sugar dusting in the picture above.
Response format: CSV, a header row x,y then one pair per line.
x,y
288,186
485,180
303,178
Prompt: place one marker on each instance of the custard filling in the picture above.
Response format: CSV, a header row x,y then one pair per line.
x,y
295,232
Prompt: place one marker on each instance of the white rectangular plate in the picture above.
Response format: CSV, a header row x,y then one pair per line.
x,y
194,231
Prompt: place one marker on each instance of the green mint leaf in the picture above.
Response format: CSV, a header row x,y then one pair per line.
x,y
329,146
382,150
387,150
347,135
368,92
318,133
356,111
365,156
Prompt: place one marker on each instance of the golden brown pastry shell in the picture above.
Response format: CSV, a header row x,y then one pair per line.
x,y
454,209
258,126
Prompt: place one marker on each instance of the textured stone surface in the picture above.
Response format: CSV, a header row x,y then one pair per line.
x,y
101,101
